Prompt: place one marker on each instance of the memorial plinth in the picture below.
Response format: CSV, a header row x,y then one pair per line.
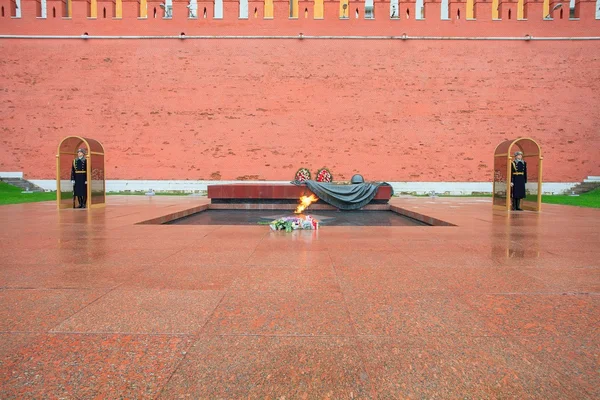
x,y
275,193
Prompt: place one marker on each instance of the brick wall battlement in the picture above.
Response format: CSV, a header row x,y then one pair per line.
x,y
268,17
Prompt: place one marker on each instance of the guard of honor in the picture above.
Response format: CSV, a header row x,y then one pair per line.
x,y
518,180
79,178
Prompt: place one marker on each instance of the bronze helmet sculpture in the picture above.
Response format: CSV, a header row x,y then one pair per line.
x,y
357,179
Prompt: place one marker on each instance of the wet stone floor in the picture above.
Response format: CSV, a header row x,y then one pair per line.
x,y
95,305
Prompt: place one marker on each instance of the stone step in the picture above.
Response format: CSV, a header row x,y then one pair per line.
x,y
592,179
22,183
589,184
585,187
11,174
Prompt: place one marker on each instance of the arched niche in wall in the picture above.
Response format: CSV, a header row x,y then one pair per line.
x,y
503,158
96,185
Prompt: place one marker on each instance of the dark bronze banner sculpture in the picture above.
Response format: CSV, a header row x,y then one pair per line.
x,y
344,197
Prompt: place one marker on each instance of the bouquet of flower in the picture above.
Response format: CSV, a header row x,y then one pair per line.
x,y
324,175
289,224
303,174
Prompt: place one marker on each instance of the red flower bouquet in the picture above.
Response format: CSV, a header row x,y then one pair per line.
x,y
324,175
303,174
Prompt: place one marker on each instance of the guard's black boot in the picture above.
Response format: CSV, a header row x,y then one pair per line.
x,y
519,205
514,204
83,201
80,200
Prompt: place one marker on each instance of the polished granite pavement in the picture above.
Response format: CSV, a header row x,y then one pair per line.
x,y
94,306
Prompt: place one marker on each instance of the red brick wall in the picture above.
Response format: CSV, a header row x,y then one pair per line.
x,y
260,109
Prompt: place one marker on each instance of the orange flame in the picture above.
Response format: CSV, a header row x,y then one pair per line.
x,y
305,201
